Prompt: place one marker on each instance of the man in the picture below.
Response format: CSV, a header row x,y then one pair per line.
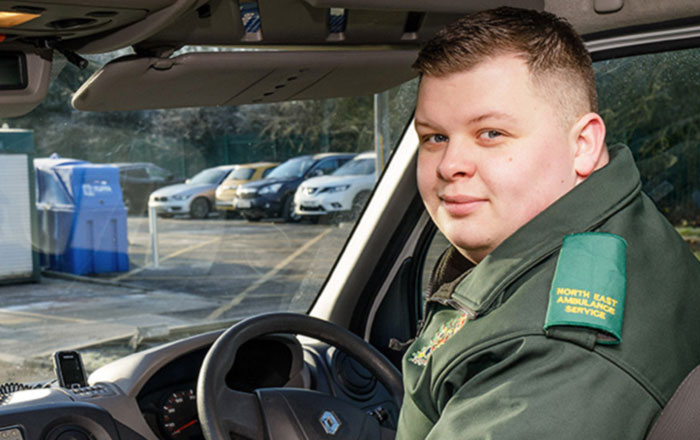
x,y
567,305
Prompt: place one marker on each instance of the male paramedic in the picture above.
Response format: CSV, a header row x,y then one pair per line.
x,y
567,307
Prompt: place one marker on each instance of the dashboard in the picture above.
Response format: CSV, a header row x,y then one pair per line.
x,y
168,400
152,394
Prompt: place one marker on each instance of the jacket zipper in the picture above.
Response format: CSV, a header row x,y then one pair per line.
x,y
453,303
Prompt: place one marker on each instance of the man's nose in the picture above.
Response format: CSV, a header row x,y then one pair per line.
x,y
457,162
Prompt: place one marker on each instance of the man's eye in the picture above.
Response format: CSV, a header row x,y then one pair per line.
x,y
436,139
490,134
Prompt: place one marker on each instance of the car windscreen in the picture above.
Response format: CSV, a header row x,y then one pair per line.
x,y
241,174
181,274
356,167
292,169
210,176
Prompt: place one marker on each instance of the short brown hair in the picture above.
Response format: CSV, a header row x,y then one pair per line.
x,y
547,43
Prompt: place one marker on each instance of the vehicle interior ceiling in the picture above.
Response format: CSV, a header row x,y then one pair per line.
x,y
331,48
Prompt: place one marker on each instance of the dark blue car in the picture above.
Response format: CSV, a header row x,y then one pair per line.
x,y
273,196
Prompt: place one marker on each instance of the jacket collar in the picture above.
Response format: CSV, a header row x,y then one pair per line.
x,y
582,209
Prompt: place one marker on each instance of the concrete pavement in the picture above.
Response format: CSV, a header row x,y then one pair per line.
x,y
212,273
39,318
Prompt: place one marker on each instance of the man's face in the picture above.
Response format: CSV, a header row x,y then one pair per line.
x,y
493,153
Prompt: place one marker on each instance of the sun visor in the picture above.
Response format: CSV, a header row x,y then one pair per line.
x,y
245,77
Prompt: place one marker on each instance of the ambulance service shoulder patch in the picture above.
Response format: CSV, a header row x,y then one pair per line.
x,y
589,285
446,331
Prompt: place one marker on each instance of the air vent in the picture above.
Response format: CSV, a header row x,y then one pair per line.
x,y
353,378
70,432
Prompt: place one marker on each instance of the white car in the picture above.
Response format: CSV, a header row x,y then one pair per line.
x,y
345,191
195,197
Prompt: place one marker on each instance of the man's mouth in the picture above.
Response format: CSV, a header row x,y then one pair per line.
x,y
461,205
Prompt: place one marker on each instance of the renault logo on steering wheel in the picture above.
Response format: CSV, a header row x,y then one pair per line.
x,y
330,422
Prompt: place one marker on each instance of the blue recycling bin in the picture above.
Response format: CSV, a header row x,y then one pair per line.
x,y
82,218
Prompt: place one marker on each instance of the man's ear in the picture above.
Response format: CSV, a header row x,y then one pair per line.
x,y
588,137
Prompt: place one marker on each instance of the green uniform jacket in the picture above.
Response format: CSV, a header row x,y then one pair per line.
x,y
483,367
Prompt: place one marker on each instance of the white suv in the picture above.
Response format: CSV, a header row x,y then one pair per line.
x,y
345,191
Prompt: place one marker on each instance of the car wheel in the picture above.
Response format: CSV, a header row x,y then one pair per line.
x,y
199,208
358,204
288,213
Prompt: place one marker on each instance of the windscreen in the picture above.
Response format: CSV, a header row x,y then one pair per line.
x,y
205,258
292,169
356,167
241,174
210,176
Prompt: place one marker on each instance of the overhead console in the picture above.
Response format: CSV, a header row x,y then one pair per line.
x,y
341,22
93,26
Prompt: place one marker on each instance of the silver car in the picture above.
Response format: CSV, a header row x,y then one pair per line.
x,y
195,197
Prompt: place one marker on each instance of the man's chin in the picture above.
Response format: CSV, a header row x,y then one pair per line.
x,y
473,250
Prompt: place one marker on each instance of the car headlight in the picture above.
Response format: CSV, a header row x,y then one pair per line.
x,y
270,188
335,189
242,191
181,196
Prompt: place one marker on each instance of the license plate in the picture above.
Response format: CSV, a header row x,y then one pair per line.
x,y
243,204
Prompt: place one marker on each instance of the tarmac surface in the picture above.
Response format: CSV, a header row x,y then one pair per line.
x,y
64,314
211,273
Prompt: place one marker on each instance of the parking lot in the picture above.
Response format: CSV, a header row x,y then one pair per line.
x,y
227,261
211,273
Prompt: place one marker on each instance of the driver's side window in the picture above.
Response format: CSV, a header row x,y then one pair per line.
x,y
651,103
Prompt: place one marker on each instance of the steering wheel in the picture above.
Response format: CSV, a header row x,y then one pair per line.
x,y
288,413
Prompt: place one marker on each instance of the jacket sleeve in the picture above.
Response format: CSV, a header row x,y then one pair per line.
x,y
539,388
